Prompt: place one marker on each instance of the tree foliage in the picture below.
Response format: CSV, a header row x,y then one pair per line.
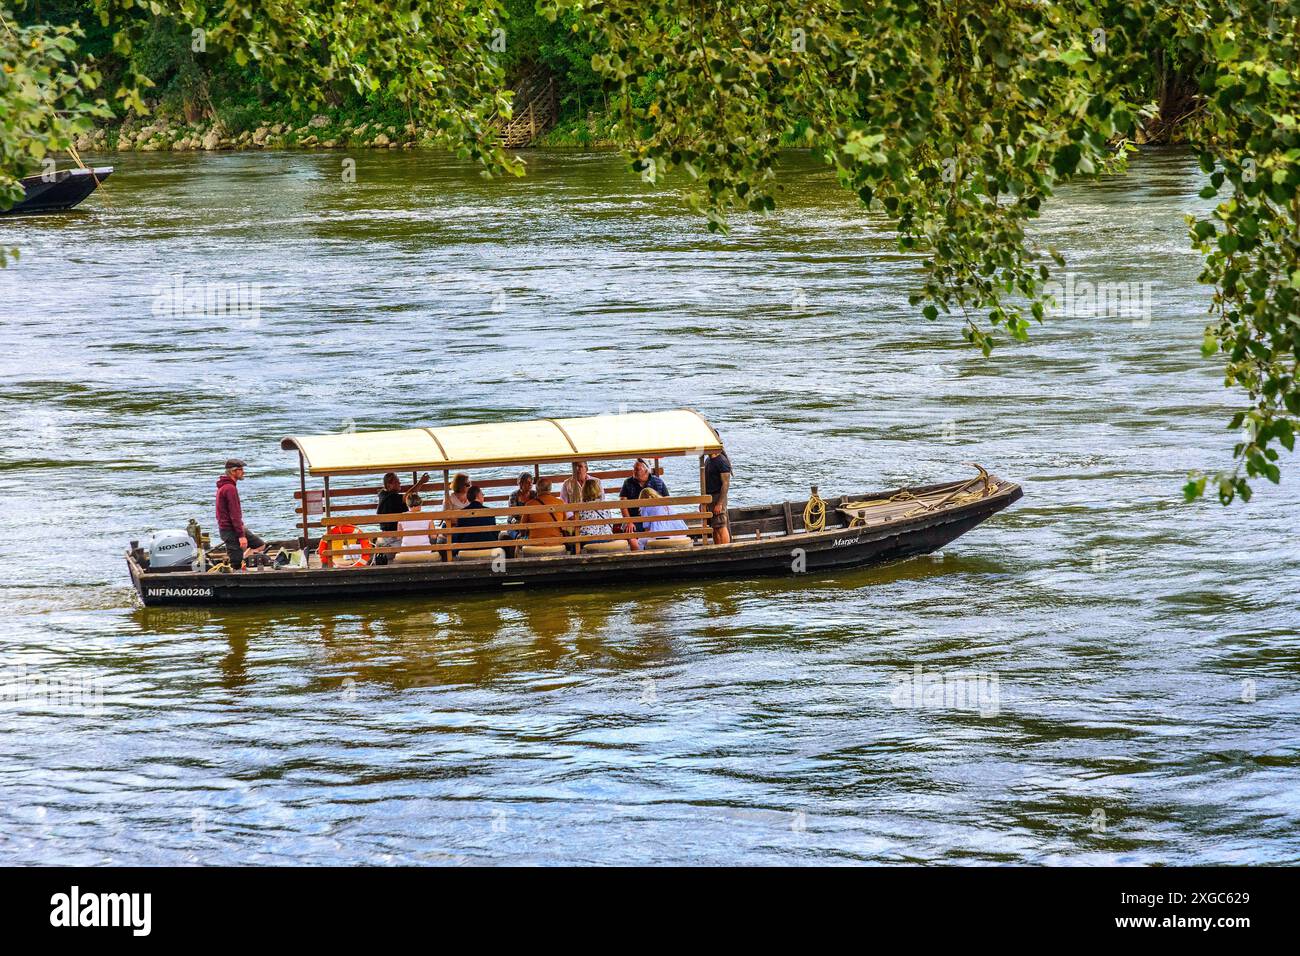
x,y
561,45
436,57
957,121
1250,147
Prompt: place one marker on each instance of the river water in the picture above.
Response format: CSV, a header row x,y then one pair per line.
x,y
1133,662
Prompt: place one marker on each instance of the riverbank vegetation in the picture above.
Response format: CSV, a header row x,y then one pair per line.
x,y
956,121
195,94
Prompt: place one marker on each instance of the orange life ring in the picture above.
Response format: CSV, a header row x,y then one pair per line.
x,y
360,547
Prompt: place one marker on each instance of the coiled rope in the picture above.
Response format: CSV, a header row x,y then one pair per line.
x,y
814,512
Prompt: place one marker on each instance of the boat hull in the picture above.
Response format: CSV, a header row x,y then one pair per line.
x,y
780,555
67,188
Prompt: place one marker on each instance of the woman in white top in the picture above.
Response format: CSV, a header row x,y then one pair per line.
x,y
647,511
458,498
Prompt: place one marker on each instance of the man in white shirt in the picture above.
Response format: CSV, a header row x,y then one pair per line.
x,y
572,489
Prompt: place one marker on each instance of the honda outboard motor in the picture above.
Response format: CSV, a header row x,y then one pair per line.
x,y
171,550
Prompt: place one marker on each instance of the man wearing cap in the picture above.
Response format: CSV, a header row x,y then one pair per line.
x,y
230,517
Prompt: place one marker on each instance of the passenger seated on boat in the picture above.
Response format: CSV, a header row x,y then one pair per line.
x,y
459,496
391,501
665,524
519,497
478,515
593,492
571,491
456,499
425,527
653,510
542,524
641,479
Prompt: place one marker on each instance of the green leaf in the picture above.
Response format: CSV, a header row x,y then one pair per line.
x,y
1194,488
1209,344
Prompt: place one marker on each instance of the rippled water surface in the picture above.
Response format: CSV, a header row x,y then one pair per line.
x,y
1145,651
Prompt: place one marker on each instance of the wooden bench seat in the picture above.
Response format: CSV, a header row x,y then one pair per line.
x,y
666,543
417,557
535,551
481,554
604,547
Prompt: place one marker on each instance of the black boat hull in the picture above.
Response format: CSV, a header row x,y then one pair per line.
x,y
62,191
805,552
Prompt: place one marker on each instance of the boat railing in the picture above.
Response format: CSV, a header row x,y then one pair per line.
x,y
339,498
569,518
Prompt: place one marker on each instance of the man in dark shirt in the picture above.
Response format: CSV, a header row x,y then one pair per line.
x,y
476,514
717,483
391,502
641,478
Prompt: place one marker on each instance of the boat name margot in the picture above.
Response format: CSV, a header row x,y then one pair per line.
x,y
844,542
72,909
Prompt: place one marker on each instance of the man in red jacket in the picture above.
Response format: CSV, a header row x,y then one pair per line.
x,y
230,517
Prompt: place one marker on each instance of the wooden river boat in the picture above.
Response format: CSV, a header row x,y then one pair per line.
x,y
786,538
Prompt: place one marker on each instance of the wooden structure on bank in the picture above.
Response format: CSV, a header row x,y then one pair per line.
x,y
535,109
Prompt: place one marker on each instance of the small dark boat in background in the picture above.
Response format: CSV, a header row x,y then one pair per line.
x,y
65,189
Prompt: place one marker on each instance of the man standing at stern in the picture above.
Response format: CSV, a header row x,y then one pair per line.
x,y
717,483
230,517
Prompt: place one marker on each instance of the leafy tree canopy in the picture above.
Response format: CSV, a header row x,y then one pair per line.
x,y
957,121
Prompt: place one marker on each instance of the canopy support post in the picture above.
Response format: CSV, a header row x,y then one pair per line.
x,y
302,482
702,491
327,496
446,506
